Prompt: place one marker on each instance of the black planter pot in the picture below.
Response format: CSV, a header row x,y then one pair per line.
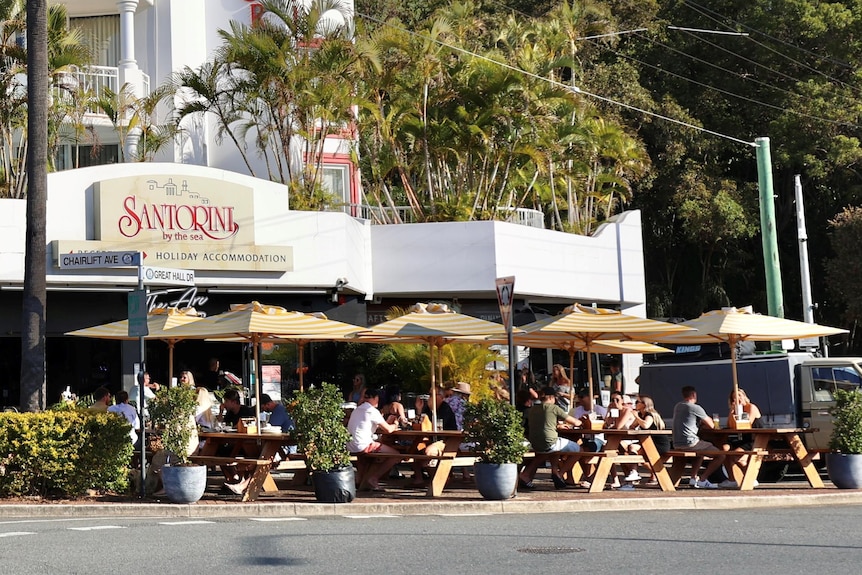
x,y
184,483
496,481
337,486
845,470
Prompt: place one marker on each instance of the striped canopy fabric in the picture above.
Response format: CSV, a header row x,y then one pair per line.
x,y
580,327
739,324
160,322
733,325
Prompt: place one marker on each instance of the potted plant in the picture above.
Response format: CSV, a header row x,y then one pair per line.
x,y
845,463
173,410
322,437
495,428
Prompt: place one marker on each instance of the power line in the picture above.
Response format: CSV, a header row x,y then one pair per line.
x,y
574,89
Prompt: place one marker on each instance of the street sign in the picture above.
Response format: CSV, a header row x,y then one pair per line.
x,y
138,313
79,260
505,295
167,276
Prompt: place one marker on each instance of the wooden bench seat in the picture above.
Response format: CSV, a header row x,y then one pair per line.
x,y
257,468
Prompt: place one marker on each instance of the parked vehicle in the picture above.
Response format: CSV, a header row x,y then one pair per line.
x,y
791,389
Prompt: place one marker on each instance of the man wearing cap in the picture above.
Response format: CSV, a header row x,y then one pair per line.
x,y
542,421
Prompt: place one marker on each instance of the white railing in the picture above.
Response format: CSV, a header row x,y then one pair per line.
x,y
405,215
92,79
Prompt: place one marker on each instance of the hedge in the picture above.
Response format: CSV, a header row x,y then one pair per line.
x,y
63,453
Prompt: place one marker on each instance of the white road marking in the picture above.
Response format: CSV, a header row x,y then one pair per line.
x,y
464,514
16,533
272,519
196,522
95,528
371,516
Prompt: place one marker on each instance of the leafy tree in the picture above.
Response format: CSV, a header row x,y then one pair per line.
x,y
844,269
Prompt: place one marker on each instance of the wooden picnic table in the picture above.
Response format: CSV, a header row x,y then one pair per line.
x,y
445,461
763,446
609,456
245,448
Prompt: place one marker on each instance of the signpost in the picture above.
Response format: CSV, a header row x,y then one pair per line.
x,y
81,260
168,276
505,296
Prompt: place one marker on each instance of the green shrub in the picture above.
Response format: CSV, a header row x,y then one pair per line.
x,y
496,429
173,408
63,453
847,415
321,435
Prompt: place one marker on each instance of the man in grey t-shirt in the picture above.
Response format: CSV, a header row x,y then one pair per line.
x,y
688,418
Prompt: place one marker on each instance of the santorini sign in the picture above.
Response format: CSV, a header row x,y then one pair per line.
x,y
188,222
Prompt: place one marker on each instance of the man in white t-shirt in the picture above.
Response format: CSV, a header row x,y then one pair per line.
x,y
123,408
363,422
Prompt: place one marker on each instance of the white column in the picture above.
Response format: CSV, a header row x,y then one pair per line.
x,y
128,70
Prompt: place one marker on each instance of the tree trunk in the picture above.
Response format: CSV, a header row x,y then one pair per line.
x,y
33,309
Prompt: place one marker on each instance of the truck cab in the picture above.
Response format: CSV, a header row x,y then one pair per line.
x,y
817,380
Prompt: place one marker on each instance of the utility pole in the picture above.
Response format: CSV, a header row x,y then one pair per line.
x,y
774,296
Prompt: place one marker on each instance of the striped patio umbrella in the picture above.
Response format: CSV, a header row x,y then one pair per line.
x,y
160,324
581,327
732,325
255,323
434,325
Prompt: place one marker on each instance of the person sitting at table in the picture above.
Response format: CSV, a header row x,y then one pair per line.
x,y
588,409
365,420
688,418
460,396
542,420
393,411
648,418
278,415
102,399
203,412
739,402
621,415
187,379
232,409
124,409
356,394
445,420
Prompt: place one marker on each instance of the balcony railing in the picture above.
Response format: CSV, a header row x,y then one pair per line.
x,y
92,80
404,215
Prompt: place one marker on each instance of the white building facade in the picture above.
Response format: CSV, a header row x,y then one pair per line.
x,y
200,210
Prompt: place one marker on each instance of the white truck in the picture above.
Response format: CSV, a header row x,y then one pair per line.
x,y
791,389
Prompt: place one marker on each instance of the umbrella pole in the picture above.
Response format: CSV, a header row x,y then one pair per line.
x,y
737,405
255,382
301,389
433,387
572,376
590,373
171,344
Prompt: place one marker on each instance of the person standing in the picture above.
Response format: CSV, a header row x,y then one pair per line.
x,y
617,381
688,418
356,394
562,384
212,378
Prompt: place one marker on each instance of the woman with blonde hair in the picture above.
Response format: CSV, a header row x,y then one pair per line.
x,y
738,402
562,384
204,414
187,379
647,417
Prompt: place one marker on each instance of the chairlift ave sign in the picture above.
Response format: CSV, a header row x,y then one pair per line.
x,y
80,260
167,276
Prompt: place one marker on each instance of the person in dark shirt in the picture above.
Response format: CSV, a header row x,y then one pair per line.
x,y
232,409
446,418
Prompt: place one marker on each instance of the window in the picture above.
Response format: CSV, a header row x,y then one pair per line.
x,y
335,179
102,35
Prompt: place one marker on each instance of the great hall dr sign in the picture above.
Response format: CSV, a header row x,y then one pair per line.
x,y
183,222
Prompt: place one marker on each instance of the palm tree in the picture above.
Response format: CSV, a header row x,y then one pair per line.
x,y
35,294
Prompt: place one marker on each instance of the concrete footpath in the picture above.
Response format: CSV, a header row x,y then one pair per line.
x,y
458,501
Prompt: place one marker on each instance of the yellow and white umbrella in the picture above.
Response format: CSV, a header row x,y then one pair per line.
x,y
255,323
161,323
580,327
732,325
434,325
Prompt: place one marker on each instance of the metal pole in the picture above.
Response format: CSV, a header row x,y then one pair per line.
x,y
804,271
141,398
513,360
774,297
